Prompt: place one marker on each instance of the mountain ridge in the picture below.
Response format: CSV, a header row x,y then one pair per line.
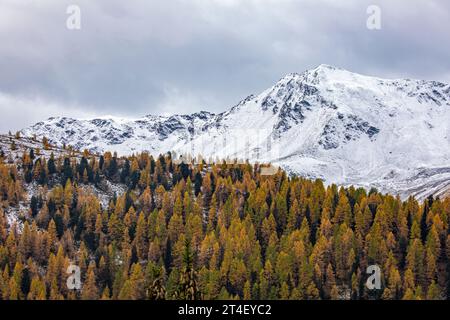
x,y
326,123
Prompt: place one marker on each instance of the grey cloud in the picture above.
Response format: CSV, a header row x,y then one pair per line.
x,y
140,57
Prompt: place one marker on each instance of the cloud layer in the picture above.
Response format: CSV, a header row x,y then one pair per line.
x,y
178,56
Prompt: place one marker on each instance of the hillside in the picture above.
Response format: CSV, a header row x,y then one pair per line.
x,y
218,231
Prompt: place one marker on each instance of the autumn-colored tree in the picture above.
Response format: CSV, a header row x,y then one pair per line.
x,y
90,290
143,227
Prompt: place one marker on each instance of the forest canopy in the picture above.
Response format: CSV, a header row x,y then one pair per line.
x,y
140,227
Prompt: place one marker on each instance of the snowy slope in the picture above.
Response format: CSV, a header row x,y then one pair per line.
x,y
150,133
324,123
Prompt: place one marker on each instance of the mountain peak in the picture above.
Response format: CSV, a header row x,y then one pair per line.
x,y
326,67
325,123
320,73
326,70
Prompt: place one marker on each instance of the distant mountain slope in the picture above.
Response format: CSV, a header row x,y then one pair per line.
x,y
324,123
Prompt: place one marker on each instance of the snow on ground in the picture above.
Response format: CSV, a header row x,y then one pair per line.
x,y
25,144
328,123
14,214
105,196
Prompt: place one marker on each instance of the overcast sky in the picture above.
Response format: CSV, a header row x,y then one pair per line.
x,y
138,57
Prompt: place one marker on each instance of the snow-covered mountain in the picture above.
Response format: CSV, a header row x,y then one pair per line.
x,y
324,123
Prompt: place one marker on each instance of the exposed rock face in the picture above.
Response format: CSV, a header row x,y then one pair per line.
x,y
325,123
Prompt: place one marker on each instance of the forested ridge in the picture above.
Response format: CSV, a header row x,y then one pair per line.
x,y
200,231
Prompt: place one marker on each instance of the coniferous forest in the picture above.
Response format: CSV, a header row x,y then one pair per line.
x,y
143,227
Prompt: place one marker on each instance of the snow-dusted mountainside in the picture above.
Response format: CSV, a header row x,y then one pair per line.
x,y
324,123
